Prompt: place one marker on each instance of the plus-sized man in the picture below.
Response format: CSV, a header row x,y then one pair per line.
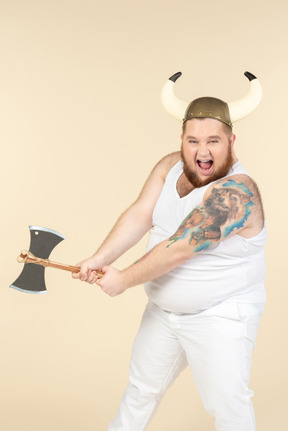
x,y
203,272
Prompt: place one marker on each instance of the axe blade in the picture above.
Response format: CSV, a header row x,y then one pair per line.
x,y
42,242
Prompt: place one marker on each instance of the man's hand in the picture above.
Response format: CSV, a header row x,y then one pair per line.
x,y
88,268
112,281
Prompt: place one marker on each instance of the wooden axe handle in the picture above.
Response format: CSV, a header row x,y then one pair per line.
x,y
28,257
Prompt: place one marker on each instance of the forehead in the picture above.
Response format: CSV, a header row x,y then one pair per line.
x,y
204,127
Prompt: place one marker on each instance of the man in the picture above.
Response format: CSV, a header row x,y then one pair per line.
x,y
203,272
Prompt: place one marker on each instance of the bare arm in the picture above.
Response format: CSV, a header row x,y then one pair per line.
x,y
230,206
133,224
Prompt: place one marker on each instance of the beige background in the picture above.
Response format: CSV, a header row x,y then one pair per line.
x,y
81,128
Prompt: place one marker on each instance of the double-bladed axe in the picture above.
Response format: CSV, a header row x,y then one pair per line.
x,y
42,242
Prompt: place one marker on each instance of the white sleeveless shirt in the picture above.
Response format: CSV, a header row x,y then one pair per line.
x,y
233,270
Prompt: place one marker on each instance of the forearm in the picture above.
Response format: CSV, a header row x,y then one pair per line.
x,y
160,260
137,220
131,226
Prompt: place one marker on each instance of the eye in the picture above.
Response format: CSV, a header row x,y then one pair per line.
x,y
192,141
213,141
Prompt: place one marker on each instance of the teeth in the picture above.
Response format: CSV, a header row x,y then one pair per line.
x,y
204,161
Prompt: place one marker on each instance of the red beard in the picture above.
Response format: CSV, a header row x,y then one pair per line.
x,y
197,182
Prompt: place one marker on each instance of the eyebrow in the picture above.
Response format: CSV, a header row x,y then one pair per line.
x,y
214,137
209,137
191,137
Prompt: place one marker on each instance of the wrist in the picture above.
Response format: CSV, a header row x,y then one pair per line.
x,y
99,260
123,280
129,278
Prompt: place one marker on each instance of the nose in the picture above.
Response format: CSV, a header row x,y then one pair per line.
x,y
203,150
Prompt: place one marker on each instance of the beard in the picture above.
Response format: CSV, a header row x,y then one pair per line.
x,y
221,172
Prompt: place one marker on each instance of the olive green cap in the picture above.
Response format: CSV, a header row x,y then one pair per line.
x,y
208,107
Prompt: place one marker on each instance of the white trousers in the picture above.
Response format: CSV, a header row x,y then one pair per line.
x,y
217,344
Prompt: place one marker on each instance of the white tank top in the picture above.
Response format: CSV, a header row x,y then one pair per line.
x,y
233,271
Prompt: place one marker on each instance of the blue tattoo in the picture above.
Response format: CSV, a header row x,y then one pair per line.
x,y
204,246
241,186
239,223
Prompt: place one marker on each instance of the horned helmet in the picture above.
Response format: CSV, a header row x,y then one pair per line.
x,y
211,107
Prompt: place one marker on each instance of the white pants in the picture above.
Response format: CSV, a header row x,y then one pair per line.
x,y
216,343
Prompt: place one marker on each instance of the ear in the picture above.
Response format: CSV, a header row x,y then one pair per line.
x,y
232,140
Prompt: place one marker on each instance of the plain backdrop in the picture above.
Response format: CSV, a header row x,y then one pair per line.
x,y
81,128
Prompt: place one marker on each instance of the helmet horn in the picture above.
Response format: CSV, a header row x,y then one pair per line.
x,y
238,109
242,107
173,105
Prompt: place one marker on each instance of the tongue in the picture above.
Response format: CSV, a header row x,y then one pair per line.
x,y
205,165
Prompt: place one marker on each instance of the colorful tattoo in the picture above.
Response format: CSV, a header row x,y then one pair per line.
x,y
195,218
226,209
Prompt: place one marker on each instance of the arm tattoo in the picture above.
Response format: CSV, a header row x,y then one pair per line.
x,y
225,210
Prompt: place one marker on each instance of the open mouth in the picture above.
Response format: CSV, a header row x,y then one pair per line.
x,y
205,166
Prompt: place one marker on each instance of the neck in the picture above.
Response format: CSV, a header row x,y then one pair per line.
x,y
234,157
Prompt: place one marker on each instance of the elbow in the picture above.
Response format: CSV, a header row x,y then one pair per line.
x,y
184,256
181,255
141,215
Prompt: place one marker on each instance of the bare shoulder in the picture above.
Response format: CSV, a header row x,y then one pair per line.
x,y
237,198
155,181
167,163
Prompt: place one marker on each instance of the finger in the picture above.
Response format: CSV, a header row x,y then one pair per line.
x,y
99,282
92,277
84,272
76,275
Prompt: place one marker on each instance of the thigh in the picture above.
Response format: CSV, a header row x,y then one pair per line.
x,y
157,356
218,345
